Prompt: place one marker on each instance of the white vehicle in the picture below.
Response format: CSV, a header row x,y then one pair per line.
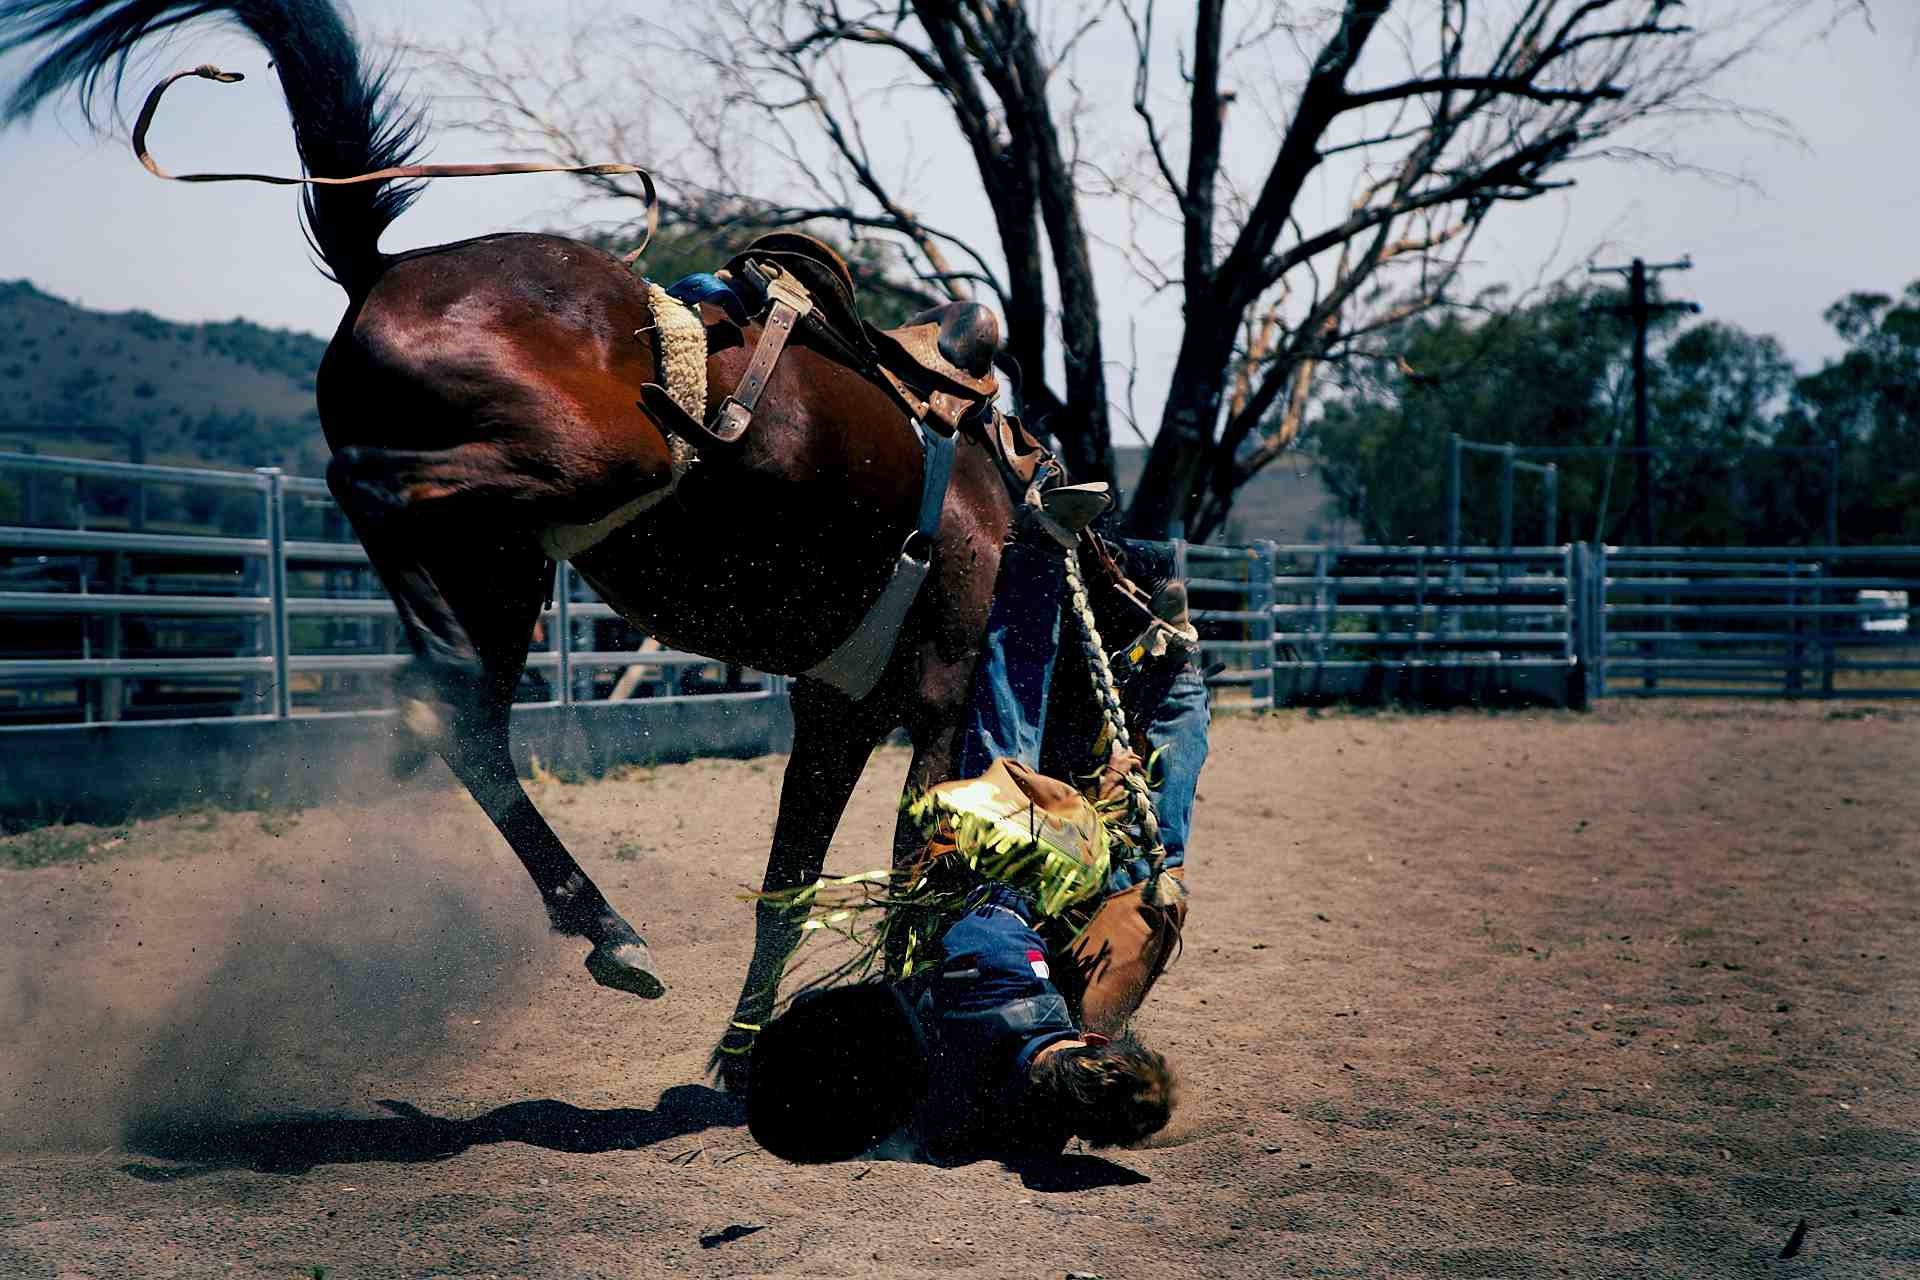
x,y
1894,605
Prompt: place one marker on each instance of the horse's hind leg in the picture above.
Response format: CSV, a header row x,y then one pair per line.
x,y
469,587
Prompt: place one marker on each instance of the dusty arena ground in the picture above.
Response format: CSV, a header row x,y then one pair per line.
x,y
1624,994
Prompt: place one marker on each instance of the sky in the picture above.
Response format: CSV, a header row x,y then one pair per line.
x,y
1832,212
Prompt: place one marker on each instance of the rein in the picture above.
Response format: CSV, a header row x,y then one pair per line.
x,y
1138,796
396,172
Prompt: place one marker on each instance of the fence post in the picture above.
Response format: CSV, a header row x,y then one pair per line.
x,y
1793,681
1822,623
1506,498
1260,600
1597,587
563,630
1453,489
277,586
1420,608
1570,566
1322,613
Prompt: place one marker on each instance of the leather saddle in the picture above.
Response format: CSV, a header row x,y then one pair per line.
x,y
939,364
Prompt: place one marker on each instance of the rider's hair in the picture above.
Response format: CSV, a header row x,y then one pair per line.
x,y
1107,1095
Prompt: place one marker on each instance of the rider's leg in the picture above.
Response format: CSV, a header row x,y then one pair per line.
x,y
1007,714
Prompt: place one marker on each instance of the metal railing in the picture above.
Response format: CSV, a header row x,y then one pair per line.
x,y
115,604
1799,622
1828,622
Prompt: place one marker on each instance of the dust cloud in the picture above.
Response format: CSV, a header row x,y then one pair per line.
x,y
310,961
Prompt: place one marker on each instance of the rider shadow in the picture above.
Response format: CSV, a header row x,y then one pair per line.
x,y
1073,1173
295,1145
1063,1172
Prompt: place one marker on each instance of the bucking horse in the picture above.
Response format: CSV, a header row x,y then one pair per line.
x,y
495,404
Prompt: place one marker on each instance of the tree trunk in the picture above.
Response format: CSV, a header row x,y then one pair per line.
x,y
1170,483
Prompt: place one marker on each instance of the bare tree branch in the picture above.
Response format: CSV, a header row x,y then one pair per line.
x,y
1416,120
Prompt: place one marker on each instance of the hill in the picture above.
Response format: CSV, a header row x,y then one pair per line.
x,y
1286,502
87,382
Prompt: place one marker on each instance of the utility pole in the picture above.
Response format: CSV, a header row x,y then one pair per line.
x,y
1641,311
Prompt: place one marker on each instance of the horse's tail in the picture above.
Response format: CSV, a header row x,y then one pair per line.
x,y
346,117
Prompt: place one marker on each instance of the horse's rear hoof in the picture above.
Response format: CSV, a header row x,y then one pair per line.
x,y
408,760
421,730
625,966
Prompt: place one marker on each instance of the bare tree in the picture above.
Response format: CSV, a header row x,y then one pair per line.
x,y
1414,122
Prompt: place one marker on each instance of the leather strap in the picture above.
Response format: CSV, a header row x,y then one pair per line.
x,y
856,664
939,411
396,172
736,411
791,304
936,470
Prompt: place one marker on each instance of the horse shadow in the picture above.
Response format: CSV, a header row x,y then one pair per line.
x,y
199,1144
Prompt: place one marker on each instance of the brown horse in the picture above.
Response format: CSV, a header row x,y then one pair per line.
x,y
480,400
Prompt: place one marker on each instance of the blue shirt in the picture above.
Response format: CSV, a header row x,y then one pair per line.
x,y
987,1009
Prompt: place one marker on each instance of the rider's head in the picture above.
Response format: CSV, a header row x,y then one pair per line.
x,y
1107,1094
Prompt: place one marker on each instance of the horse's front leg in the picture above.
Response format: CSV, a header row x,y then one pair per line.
x,y
832,740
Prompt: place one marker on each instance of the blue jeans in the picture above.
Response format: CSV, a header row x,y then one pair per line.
x,y
1008,713
1178,733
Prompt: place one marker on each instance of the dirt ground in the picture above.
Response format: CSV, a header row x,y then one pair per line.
x,y
1631,993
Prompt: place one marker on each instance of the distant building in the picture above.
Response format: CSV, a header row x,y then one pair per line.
x,y
1284,503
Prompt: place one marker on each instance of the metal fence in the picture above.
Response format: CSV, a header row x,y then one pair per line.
x,y
134,592
131,592
1295,623
1569,623
1827,622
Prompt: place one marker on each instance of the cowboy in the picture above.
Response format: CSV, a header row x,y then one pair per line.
x,y
978,1056
1011,1072
1118,956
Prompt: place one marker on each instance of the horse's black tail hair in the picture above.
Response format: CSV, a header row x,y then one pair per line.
x,y
346,118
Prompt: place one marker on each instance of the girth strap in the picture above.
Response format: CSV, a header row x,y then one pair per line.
x,y
855,667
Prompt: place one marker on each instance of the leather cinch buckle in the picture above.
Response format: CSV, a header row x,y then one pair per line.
x,y
782,287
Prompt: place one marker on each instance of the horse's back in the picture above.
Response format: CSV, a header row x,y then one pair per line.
x,y
500,337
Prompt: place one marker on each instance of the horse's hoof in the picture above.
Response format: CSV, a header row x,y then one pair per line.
x,y
421,730
408,760
727,1064
625,966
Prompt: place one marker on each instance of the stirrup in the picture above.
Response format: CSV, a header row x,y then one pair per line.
x,y
1065,511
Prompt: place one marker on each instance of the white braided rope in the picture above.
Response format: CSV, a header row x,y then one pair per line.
x,y
1139,799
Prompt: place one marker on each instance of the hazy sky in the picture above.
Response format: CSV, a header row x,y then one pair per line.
x,y
1838,213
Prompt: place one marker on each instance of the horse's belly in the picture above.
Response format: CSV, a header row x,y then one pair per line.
x,y
773,604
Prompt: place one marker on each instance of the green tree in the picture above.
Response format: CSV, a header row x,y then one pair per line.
x,y
1869,401
1719,387
1555,372
1544,373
